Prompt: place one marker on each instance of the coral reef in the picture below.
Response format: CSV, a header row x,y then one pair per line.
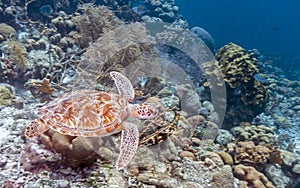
x,y
51,50
258,156
126,46
244,93
93,23
259,134
250,177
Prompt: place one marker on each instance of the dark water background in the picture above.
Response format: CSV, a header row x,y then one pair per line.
x,y
269,25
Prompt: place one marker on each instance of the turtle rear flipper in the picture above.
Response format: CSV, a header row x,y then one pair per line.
x,y
129,145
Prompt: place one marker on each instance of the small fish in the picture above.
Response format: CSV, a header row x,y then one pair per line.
x,y
260,77
238,90
140,9
46,10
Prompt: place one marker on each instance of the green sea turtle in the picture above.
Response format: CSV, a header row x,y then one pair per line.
x,y
91,113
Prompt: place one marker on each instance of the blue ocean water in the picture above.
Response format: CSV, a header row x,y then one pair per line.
x,y
269,25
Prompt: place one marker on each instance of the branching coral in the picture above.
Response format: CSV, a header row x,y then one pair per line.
x,y
40,88
126,46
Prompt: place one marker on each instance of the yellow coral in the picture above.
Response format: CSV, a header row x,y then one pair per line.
x,y
6,30
237,66
5,96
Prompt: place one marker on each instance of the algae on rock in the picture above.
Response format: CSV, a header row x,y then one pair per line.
x,y
5,96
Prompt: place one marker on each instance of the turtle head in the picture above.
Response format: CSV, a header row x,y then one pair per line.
x,y
35,128
143,111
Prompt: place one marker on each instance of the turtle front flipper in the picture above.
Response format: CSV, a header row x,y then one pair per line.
x,y
124,86
35,128
129,145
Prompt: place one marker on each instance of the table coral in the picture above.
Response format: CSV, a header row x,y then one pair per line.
x,y
251,177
